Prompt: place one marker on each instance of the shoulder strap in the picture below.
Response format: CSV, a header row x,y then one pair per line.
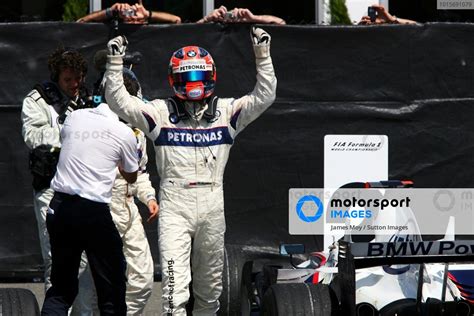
x,y
49,92
210,114
178,112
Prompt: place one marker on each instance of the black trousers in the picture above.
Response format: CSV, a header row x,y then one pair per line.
x,y
79,225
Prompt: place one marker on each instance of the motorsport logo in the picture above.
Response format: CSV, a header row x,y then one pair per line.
x,y
315,202
362,208
344,208
381,211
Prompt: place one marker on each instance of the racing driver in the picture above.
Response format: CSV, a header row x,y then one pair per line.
x,y
192,133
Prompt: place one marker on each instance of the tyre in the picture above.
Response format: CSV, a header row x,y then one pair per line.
x,y
265,279
293,299
18,302
231,297
402,307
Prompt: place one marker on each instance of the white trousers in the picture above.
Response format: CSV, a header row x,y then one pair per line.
x,y
191,216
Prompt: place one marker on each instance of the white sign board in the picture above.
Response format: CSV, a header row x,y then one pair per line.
x,y
354,158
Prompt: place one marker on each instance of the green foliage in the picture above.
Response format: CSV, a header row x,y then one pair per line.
x,y
75,9
339,14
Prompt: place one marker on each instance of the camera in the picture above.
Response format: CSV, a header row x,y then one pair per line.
x,y
372,13
229,16
128,12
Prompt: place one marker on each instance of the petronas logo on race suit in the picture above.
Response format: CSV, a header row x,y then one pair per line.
x,y
194,137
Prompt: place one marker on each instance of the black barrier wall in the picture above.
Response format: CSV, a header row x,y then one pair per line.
x,y
411,83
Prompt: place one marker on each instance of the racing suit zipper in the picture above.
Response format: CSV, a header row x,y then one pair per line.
x,y
195,156
206,162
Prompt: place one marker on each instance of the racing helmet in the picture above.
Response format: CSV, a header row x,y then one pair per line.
x,y
192,73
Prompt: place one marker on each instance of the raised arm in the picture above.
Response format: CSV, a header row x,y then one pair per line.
x,y
247,108
131,109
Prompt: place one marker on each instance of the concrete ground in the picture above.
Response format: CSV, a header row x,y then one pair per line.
x,y
153,307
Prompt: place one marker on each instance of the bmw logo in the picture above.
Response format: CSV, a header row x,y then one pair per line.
x,y
216,117
191,53
174,118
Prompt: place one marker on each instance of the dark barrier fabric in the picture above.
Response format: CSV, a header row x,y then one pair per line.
x,y
412,83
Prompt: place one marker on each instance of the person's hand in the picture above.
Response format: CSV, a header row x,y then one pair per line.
x,y
120,8
365,20
141,15
218,15
261,42
260,37
243,15
153,208
383,16
117,46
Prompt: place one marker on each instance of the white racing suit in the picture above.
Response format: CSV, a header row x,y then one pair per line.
x,y
136,249
191,158
39,127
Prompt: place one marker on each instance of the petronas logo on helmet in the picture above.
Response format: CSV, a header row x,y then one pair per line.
x,y
192,67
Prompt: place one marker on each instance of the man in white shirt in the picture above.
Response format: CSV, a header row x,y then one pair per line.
x,y
128,221
94,143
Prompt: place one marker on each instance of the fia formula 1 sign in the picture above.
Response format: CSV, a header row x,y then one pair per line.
x,y
353,158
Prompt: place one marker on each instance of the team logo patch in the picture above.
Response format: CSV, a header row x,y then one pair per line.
x,y
191,53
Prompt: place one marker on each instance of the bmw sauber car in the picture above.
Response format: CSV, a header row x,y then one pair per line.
x,y
403,275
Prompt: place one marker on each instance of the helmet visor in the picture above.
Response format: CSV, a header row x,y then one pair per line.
x,y
191,76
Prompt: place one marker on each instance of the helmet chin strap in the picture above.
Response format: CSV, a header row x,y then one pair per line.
x,y
195,109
